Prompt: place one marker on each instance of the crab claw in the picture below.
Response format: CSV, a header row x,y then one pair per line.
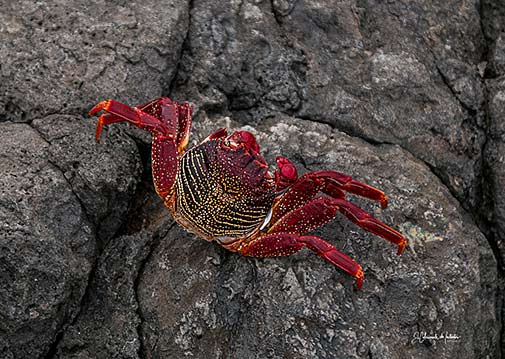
x,y
286,175
245,139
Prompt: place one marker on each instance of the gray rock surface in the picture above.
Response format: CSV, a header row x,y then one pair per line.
x,y
387,72
107,324
62,56
408,97
47,246
48,238
299,307
495,155
492,212
102,177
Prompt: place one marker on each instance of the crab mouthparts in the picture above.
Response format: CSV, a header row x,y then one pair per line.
x,y
244,138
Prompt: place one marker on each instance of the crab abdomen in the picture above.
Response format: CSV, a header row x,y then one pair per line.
x,y
214,202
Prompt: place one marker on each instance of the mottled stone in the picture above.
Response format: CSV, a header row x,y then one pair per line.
x,y
388,72
102,175
47,245
57,186
405,96
201,299
107,324
495,158
61,57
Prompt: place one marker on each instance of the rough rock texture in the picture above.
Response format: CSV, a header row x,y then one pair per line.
x,y
495,155
103,178
48,239
493,213
47,246
387,72
406,96
61,56
107,325
299,307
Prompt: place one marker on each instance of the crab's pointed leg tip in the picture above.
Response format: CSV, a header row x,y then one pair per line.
x,y
401,246
384,202
360,276
95,109
104,105
99,127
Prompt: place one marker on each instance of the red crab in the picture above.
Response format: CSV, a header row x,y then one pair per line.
x,y
222,190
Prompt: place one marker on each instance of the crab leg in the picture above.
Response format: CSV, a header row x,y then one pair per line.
x,y
319,211
308,185
286,236
164,164
132,115
108,119
311,215
164,110
285,244
299,193
333,184
346,183
161,118
167,110
302,191
184,126
105,120
370,224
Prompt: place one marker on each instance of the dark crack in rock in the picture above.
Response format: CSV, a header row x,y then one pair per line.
x,y
236,58
495,155
492,212
103,176
181,277
388,72
57,186
107,325
392,73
